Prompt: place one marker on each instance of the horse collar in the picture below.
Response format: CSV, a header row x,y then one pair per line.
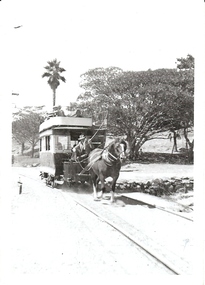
x,y
109,158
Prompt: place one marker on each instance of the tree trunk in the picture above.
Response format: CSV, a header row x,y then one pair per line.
x,y
175,140
22,148
173,135
135,146
136,150
187,139
32,150
54,97
131,142
191,147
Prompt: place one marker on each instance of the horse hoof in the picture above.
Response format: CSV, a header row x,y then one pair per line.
x,y
96,199
105,198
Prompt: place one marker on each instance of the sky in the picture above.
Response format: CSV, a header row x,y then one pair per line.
x,y
85,34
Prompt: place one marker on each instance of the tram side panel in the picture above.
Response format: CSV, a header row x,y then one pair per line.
x,y
51,158
52,163
47,164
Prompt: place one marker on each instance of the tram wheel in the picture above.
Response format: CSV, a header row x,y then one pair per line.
x,y
66,184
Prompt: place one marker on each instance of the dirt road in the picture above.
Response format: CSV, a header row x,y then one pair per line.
x,y
51,234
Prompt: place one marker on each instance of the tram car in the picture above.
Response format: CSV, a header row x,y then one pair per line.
x,y
58,136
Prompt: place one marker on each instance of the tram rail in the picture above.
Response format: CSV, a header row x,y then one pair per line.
x,y
119,227
149,251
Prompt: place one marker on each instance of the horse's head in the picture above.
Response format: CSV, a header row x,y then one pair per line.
x,y
120,148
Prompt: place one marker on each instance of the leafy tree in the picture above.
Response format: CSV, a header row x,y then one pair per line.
x,y
185,63
186,66
53,72
25,128
17,135
141,104
98,86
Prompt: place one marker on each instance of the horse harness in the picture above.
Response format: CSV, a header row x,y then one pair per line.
x,y
109,158
106,155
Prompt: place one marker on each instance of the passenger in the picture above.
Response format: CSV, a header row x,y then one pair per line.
x,y
78,114
58,111
59,146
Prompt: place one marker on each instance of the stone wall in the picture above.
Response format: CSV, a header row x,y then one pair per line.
x,y
159,187
175,158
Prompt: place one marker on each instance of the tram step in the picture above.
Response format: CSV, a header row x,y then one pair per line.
x,y
59,182
83,175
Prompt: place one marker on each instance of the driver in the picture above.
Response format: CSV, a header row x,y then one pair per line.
x,y
83,147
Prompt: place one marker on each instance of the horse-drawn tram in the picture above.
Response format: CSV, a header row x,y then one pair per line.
x,y
64,147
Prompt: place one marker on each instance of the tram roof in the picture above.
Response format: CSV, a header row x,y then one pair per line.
x,y
67,122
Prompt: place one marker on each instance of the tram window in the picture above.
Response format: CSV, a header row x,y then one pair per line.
x,y
40,144
47,142
62,143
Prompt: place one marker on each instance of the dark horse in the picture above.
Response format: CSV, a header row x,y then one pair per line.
x,y
106,163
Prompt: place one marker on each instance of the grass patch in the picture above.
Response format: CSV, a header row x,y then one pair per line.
x,y
23,160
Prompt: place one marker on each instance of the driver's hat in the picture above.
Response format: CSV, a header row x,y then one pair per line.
x,y
81,137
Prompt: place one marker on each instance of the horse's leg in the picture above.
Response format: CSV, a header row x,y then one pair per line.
x,y
95,181
102,180
112,192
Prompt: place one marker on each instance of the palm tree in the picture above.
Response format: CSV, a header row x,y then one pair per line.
x,y
53,73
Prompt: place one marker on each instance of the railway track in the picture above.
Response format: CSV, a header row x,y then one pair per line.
x,y
122,231
121,227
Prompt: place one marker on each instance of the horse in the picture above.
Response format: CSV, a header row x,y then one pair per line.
x,y
106,163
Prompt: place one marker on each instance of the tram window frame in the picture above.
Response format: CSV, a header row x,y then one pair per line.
x,y
62,143
40,144
48,142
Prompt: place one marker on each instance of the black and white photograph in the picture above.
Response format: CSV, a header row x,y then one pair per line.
x,y
99,141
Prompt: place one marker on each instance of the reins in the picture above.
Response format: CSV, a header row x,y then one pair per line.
x,y
115,158
97,131
80,162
